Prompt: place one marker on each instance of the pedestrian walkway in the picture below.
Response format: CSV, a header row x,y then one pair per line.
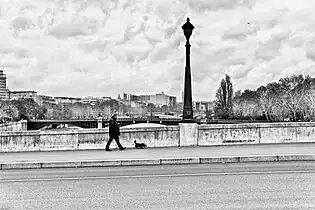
x,y
158,153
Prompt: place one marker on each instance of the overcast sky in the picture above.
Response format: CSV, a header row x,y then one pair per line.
x,y
103,47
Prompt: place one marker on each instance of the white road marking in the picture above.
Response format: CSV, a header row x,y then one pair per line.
x,y
153,176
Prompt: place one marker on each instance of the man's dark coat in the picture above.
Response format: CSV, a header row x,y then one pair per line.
x,y
113,128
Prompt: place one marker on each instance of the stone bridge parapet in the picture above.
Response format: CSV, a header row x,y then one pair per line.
x,y
185,134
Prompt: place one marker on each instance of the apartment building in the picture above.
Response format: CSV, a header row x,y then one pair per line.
x,y
3,86
158,99
15,95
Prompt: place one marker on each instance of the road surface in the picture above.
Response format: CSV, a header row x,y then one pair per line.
x,y
280,185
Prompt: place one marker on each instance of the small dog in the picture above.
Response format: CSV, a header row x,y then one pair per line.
x,y
140,145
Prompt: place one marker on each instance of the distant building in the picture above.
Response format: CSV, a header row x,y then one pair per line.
x,y
182,96
202,106
133,98
70,100
16,95
144,98
106,98
89,100
65,109
126,96
180,105
100,110
159,99
172,101
43,99
94,100
80,110
3,86
7,94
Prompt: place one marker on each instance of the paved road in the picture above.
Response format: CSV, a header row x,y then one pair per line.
x,y
170,152
288,185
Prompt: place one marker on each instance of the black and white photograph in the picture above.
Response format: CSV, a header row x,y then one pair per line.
x,y
157,104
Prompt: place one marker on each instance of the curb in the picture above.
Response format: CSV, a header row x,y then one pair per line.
x,y
163,161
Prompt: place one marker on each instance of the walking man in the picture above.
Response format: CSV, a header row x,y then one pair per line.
x,y
114,133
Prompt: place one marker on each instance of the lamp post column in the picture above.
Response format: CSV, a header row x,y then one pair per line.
x,y
188,130
188,110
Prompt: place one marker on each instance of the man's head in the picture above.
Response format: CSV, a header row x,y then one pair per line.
x,y
114,116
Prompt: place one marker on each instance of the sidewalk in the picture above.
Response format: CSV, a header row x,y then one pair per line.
x,y
159,156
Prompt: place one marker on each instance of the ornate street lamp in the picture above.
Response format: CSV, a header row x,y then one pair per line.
x,y
187,109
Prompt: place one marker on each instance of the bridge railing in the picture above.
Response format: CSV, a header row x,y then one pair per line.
x,y
182,135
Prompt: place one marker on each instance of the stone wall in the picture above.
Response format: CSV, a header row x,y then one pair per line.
x,y
182,135
255,133
85,139
14,126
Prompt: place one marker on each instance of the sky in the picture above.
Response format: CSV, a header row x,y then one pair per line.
x,y
102,47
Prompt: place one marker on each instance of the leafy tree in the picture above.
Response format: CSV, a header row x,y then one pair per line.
x,y
238,93
209,113
151,106
223,103
57,112
125,109
8,112
28,108
114,105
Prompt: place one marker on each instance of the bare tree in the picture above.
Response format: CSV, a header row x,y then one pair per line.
x,y
245,105
294,90
308,105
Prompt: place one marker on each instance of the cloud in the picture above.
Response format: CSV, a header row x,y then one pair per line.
x,y
271,48
310,53
16,50
240,71
22,23
67,30
98,44
96,47
239,32
130,32
214,5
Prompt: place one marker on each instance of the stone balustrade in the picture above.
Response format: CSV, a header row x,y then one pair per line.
x,y
170,136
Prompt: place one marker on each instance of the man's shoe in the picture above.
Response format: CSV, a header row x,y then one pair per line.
x,y
122,148
108,150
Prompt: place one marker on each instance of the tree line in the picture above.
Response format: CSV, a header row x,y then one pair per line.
x,y
27,109
290,99
16,110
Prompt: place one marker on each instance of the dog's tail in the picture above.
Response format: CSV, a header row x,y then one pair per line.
x,y
135,141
